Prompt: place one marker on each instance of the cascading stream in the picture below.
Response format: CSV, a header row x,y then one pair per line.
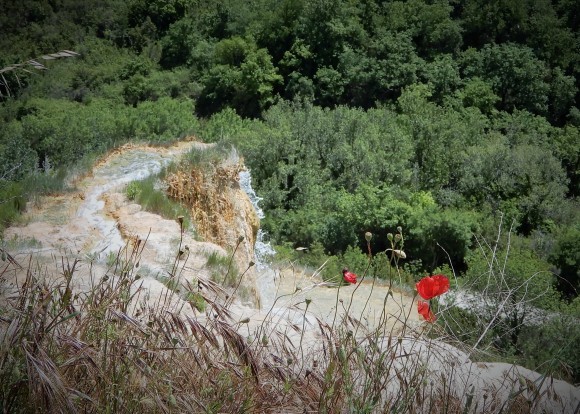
x,y
263,251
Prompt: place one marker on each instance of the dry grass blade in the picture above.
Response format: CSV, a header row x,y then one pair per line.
x,y
199,331
46,383
128,319
243,351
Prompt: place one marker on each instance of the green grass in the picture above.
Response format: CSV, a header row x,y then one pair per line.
x,y
152,199
211,155
223,269
18,243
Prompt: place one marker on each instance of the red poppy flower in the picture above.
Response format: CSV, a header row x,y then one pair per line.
x,y
348,277
425,310
432,286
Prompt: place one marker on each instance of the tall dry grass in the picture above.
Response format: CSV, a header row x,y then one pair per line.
x,y
110,348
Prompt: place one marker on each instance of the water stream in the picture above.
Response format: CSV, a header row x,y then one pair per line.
x,y
263,250
128,166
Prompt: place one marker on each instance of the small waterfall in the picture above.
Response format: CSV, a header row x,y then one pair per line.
x,y
263,250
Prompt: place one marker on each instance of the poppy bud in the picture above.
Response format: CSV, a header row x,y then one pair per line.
x,y
400,254
399,229
390,236
398,237
368,236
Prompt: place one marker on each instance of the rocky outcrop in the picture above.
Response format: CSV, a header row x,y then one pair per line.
x,y
222,212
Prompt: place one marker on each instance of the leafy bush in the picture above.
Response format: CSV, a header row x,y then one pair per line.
x,y
165,120
546,349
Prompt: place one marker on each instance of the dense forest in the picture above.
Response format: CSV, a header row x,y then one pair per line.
x,y
454,119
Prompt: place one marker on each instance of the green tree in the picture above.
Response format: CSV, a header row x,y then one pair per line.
x,y
479,94
443,76
515,74
429,23
439,136
161,12
379,71
243,77
567,149
523,181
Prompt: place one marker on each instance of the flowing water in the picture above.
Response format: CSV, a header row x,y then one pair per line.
x,y
263,250
128,166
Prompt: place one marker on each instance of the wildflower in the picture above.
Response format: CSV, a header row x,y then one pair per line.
x,y
431,286
348,277
425,310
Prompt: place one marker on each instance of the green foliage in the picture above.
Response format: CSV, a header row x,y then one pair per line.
x,y
545,349
566,256
512,270
16,157
13,202
478,93
132,191
226,126
161,13
243,78
515,74
223,269
441,237
61,132
521,180
567,149
197,301
165,120
430,24
439,136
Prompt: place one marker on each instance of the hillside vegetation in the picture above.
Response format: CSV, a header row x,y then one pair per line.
x,y
456,120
